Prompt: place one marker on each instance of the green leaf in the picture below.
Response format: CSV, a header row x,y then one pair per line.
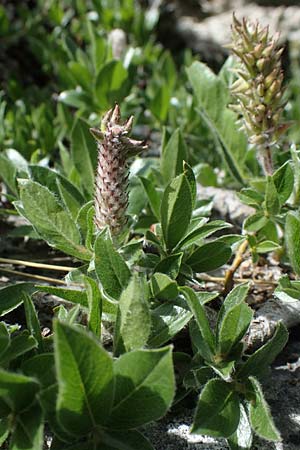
x,y
170,265
85,380
153,196
81,74
255,222
20,344
4,338
218,410
12,296
32,321
84,154
199,314
176,210
133,320
163,287
198,377
231,330
205,297
95,306
212,95
284,182
235,297
160,103
54,181
266,246
82,218
209,256
41,367
260,416
258,362
189,173
167,320
206,175
250,197
272,204
50,219
28,430
234,319
75,98
242,438
111,269
173,156
18,391
71,295
145,387
110,85
8,173
199,343
202,231
70,202
292,240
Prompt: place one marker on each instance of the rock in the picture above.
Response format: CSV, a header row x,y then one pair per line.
x,y
206,34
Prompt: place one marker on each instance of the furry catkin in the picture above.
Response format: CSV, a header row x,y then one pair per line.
x,y
111,185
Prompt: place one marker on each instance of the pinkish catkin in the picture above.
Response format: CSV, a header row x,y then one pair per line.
x,y
111,182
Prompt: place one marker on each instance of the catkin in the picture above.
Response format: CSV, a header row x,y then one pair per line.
x,y
258,89
111,181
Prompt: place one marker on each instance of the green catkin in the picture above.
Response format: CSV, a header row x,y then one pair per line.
x,y
258,90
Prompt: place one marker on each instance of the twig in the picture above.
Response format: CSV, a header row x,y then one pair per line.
x,y
205,277
38,277
228,284
37,265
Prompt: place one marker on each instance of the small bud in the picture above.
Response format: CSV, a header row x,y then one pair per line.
x,y
261,64
260,90
239,86
270,78
258,50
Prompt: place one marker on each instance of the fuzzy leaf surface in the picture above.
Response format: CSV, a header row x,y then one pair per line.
x,y
111,269
50,219
260,416
133,319
218,410
176,210
85,380
145,387
292,240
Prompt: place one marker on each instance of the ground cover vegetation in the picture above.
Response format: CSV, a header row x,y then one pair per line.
x,y
105,140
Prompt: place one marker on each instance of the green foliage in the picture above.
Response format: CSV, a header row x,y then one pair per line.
x,y
107,366
212,95
220,411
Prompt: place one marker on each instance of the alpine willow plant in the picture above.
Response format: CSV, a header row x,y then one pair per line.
x,y
108,366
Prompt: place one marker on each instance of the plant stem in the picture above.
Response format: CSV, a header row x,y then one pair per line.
x,y
38,277
205,277
266,160
228,285
37,265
